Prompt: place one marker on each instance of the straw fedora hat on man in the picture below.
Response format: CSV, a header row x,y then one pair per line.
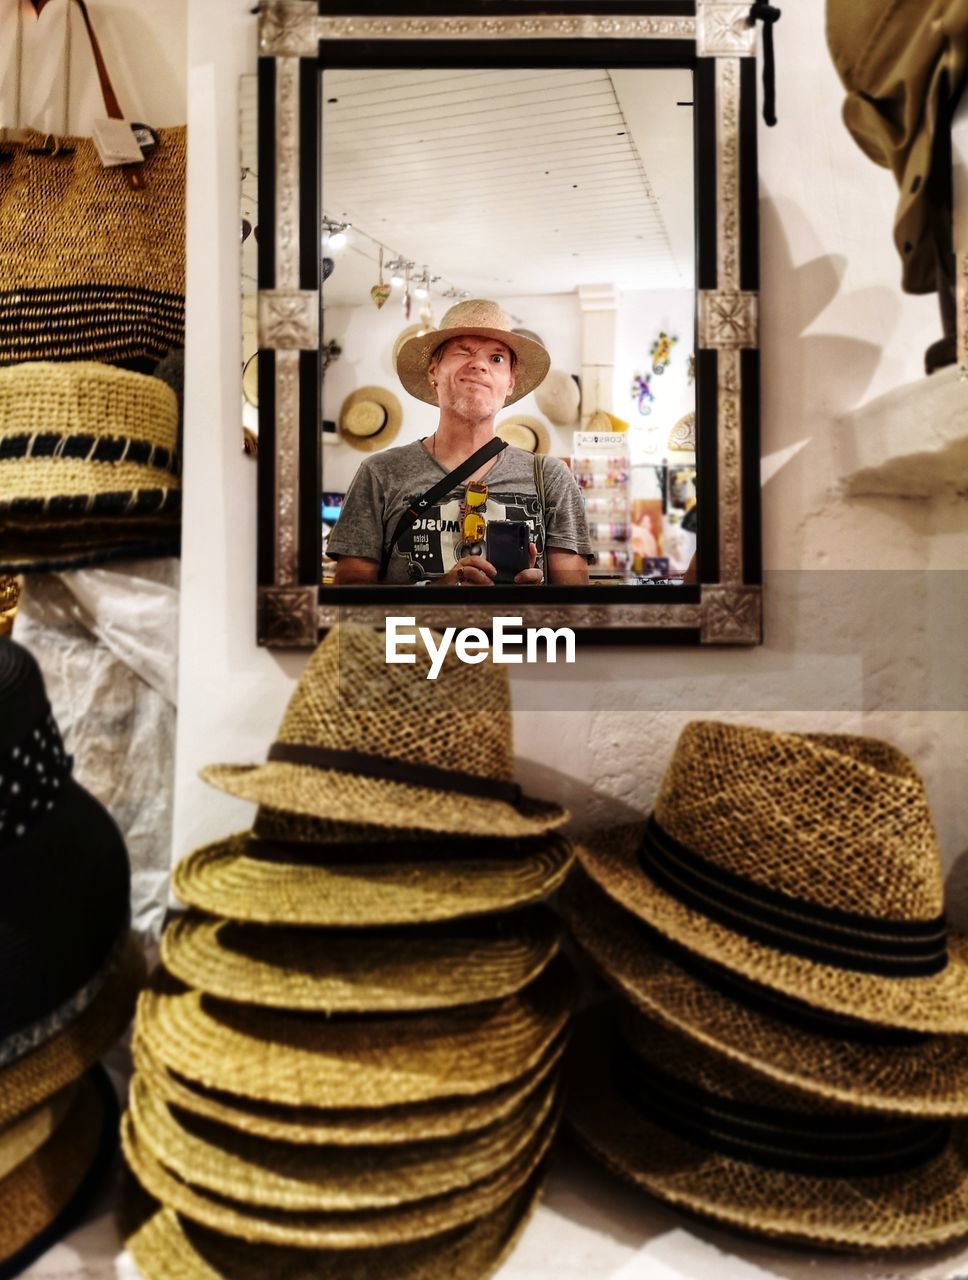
x,y
806,863
364,737
477,318
370,418
711,1138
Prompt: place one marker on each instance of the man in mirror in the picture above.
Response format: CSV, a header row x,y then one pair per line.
x,y
517,517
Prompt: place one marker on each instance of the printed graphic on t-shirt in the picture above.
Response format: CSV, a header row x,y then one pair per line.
x,y
432,544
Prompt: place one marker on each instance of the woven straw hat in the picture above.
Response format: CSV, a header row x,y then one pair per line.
x,y
239,878
559,398
364,736
165,1246
708,1137
370,418
823,1054
300,1060
295,968
22,1137
340,1229
349,1127
67,1055
525,432
477,318
804,862
279,1175
44,1195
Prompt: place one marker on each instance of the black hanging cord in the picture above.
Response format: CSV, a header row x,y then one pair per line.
x,y
768,14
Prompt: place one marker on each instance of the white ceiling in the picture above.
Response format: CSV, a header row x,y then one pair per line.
x,y
511,182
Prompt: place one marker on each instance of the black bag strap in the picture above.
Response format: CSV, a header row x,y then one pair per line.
x,y
413,513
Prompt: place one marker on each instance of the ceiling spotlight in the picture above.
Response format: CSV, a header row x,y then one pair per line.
x,y
422,285
334,234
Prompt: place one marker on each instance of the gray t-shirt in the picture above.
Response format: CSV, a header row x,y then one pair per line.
x,y
387,483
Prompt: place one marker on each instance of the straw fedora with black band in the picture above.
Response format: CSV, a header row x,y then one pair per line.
x,y
473,318
370,418
825,1054
707,1137
804,862
362,736
65,906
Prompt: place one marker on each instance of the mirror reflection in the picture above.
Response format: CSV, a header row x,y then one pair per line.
x,y
508,253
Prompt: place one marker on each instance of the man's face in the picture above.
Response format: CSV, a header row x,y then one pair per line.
x,y
472,376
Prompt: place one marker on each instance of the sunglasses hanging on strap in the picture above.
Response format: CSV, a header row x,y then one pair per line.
x,y
438,491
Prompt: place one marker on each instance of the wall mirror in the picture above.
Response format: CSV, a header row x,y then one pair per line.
x,y
590,167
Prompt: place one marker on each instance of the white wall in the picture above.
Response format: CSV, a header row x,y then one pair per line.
x,y
859,636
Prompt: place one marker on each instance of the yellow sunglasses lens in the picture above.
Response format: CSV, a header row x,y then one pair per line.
x,y
474,527
475,495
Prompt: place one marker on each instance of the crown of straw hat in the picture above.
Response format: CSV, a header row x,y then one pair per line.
x,y
68,1053
787,1040
699,1132
433,967
347,1229
345,885
559,398
474,318
301,1060
46,1194
160,1239
269,1174
364,736
607,423
804,862
348,1127
525,432
370,418
65,908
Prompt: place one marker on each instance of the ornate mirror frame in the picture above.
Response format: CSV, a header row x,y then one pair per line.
x,y
717,41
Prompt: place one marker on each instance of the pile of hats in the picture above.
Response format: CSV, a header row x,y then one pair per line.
x,y
88,465
790,1055
348,1065
70,973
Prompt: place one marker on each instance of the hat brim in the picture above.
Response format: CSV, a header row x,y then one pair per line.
x,y
343,797
68,1054
386,435
348,1127
337,1230
928,1077
301,1060
532,361
270,1174
296,968
920,1208
43,1197
165,1246
937,1004
223,880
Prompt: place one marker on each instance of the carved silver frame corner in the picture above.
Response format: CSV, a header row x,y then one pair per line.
x,y
729,611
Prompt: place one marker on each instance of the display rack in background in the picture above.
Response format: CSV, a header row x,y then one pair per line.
x,y
601,465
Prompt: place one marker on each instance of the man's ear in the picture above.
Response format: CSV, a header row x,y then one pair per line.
x,y
511,383
432,375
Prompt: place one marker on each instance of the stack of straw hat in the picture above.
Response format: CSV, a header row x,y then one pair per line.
x,y
348,1065
70,973
789,1054
88,465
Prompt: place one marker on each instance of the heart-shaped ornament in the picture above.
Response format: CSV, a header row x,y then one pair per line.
x,y
379,293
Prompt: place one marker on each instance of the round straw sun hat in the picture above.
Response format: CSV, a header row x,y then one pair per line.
x,y
166,1246
45,1194
248,879
708,1137
821,1053
22,1137
339,1229
559,398
279,1175
300,1060
362,736
347,1127
803,862
477,318
370,418
524,431
394,970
